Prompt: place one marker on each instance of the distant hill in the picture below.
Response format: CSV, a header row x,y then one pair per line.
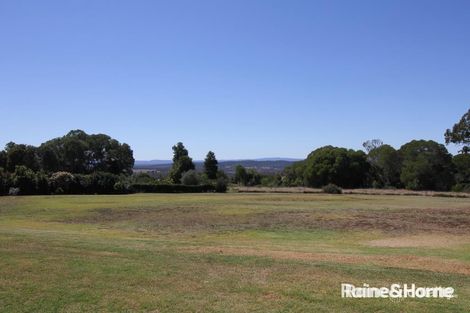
x,y
151,163
262,165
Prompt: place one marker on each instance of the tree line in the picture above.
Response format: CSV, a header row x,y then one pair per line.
x,y
417,165
79,163
82,163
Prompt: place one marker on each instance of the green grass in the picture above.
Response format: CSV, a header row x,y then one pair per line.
x,y
226,252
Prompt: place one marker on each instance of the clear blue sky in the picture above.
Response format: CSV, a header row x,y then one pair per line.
x,y
243,78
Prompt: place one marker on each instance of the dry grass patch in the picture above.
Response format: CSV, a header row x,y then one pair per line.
x,y
421,240
398,261
193,218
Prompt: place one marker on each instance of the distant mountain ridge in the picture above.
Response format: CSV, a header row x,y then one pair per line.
x,y
151,162
263,165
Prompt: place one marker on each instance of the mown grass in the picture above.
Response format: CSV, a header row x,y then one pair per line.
x,y
196,252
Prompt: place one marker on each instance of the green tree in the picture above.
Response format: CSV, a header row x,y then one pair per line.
x,y
62,182
253,178
385,166
211,165
426,165
79,152
181,163
190,178
179,151
293,175
462,171
339,166
3,159
21,155
460,133
42,183
49,158
241,176
4,181
25,179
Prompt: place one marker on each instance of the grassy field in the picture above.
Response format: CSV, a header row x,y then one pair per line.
x,y
229,252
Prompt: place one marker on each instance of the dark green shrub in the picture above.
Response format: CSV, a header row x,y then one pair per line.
x,y
83,184
461,188
142,178
42,183
462,170
221,185
121,187
24,179
190,178
103,183
332,188
4,182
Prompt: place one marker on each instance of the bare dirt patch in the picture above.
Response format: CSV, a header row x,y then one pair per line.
x,y
423,240
398,261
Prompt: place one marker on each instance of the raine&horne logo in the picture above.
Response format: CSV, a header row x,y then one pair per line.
x,y
395,291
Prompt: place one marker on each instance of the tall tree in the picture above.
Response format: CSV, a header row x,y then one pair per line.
x,y
426,165
241,176
78,152
181,162
179,151
211,165
460,133
462,171
3,159
385,166
21,155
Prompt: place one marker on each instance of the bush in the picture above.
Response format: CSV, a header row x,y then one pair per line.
x,y
461,188
332,188
103,183
221,185
190,178
13,191
42,183
24,179
83,184
4,182
142,178
121,187
62,183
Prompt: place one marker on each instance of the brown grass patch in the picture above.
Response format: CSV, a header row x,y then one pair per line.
x,y
422,240
397,261
182,219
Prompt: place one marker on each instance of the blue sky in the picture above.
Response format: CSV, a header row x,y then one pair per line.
x,y
245,79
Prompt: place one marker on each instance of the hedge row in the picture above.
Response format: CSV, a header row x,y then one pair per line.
x,y
24,181
167,188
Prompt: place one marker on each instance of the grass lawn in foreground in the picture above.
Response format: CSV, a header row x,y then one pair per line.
x,y
229,252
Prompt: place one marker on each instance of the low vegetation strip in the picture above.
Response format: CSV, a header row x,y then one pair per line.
x,y
358,191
